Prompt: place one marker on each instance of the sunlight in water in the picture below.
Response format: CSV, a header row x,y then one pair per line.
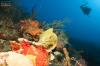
x,y
95,3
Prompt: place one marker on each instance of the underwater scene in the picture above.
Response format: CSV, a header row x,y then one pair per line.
x,y
49,32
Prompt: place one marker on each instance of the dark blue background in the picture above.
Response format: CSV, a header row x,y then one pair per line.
x,y
84,31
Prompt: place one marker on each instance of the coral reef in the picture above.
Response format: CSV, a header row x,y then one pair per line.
x,y
43,45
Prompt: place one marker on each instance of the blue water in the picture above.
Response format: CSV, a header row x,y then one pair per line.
x,y
84,31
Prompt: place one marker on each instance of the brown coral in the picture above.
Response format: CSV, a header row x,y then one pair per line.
x,y
31,27
29,24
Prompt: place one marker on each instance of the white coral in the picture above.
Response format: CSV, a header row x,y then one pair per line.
x,y
15,59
